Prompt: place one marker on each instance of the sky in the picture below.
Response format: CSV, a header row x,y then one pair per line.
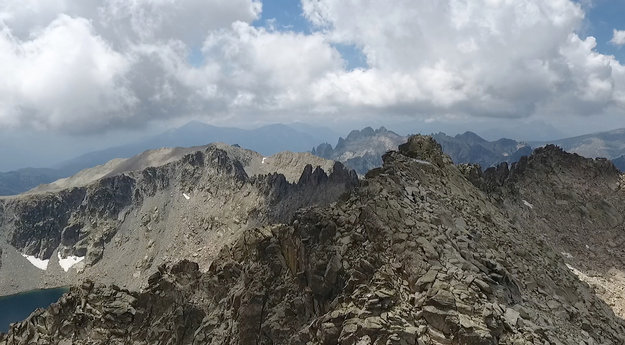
x,y
78,75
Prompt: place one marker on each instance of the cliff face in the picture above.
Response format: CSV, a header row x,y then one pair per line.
x,y
120,228
38,224
415,255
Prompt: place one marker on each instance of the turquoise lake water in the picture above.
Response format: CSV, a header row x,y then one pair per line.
x,y
17,307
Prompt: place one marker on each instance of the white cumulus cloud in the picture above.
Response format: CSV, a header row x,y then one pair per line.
x,y
618,37
80,66
64,76
483,58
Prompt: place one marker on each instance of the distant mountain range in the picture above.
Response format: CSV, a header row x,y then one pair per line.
x,y
266,140
471,148
360,150
18,181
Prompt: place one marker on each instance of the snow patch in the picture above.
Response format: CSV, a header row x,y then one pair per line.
x,y
263,162
506,154
40,264
69,261
527,204
186,196
567,255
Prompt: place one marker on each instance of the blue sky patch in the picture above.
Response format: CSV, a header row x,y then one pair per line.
x,y
283,15
602,17
353,55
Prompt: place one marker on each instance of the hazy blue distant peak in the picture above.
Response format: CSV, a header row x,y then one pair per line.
x,y
470,137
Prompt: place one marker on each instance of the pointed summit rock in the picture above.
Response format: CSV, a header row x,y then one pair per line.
x,y
426,149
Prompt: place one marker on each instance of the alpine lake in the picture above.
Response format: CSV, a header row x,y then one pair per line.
x,y
15,308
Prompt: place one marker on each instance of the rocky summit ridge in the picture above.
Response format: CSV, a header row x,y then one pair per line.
x,y
576,205
120,221
416,254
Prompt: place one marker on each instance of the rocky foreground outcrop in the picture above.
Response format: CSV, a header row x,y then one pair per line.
x,y
415,255
576,205
121,227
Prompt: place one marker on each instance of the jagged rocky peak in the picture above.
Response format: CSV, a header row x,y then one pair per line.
x,y
361,150
549,159
360,134
554,156
365,132
414,255
318,176
576,204
325,149
425,148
